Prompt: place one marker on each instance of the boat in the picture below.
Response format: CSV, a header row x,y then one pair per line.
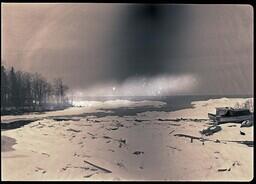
x,y
228,114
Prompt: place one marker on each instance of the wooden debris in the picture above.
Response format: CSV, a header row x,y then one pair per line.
x,y
236,163
88,176
90,134
45,154
188,136
73,130
247,143
246,123
211,130
174,148
98,167
232,126
121,142
120,164
138,152
222,170
183,119
159,119
65,119
217,141
171,132
106,137
93,169
114,128
172,124
242,133
85,168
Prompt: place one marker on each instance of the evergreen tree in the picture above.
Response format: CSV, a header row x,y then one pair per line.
x,y
4,87
28,99
13,88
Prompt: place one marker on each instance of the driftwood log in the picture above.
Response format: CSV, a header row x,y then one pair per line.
x,y
247,143
98,167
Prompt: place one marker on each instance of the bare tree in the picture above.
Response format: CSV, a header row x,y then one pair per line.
x,y
60,90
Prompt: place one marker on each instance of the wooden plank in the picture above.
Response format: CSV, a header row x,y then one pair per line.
x,y
212,116
234,119
98,167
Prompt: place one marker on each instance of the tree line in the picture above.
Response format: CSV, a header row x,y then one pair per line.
x,y
23,90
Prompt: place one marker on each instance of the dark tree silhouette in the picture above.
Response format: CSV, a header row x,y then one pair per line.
x,y
60,90
4,87
13,88
25,91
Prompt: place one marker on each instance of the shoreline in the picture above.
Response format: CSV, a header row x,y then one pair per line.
x,y
131,147
37,110
101,112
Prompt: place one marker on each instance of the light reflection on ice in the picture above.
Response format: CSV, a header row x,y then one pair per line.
x,y
118,103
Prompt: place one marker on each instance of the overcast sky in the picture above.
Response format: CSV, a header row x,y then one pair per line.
x,y
133,49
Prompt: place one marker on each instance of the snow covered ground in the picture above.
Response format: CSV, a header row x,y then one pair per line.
x,y
137,147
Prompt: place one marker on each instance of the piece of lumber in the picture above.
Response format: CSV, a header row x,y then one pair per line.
x,y
98,167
